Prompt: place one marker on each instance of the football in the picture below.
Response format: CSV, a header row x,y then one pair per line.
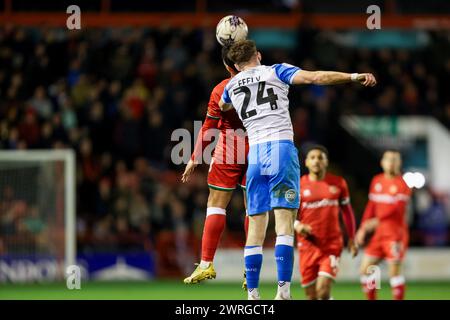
x,y
230,29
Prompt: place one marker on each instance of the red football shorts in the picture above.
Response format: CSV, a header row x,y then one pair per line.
x,y
315,262
225,177
390,249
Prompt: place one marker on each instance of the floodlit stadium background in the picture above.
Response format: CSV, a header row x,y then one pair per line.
x,y
115,90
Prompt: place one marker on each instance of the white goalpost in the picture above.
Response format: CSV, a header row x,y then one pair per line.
x,y
37,208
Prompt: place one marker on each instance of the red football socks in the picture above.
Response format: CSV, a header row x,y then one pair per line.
x,y
212,231
368,288
398,287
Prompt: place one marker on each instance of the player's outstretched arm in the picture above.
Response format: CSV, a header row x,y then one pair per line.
x,y
333,77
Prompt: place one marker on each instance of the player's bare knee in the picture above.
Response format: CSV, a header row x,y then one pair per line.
x,y
219,199
363,269
395,269
323,288
257,230
366,264
284,222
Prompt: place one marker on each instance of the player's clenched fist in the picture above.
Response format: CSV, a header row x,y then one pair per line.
x,y
303,229
360,237
352,247
367,79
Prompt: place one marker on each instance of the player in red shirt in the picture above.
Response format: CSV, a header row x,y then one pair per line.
x,y
384,221
319,236
227,170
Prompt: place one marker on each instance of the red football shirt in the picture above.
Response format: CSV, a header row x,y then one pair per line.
x,y
320,203
232,139
388,200
228,120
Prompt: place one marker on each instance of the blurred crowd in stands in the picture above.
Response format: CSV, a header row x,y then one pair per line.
x,y
116,95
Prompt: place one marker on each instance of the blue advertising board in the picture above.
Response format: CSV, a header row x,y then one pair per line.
x,y
94,266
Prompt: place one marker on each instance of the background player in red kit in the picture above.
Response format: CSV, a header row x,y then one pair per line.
x,y
385,221
319,236
227,170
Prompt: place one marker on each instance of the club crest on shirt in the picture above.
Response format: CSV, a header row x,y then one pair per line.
x,y
333,189
290,195
393,189
378,187
306,193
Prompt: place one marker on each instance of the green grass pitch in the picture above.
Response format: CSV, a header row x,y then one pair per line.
x,y
212,290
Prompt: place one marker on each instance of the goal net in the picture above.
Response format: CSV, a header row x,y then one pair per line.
x,y
37,214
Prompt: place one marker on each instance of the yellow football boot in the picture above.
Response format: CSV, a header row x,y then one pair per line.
x,y
200,274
